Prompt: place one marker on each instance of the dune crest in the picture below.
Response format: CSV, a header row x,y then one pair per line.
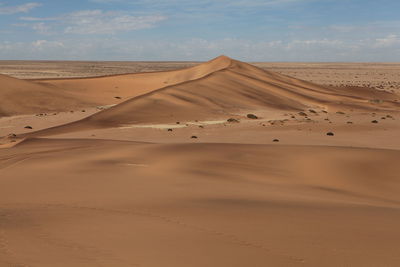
x,y
127,86
47,95
218,89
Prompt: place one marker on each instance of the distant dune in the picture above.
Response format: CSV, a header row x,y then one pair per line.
x,y
24,97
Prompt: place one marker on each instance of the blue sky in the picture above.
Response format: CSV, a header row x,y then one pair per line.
x,y
252,30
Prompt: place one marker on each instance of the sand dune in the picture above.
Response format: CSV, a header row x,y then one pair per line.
x,y
25,97
313,181
107,203
218,89
131,85
39,96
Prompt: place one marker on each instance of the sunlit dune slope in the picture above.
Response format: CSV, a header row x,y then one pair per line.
x,y
40,96
103,90
25,97
230,88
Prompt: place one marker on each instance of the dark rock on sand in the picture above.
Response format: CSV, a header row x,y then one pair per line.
x,y
232,120
252,116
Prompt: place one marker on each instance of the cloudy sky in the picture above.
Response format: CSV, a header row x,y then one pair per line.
x,y
252,30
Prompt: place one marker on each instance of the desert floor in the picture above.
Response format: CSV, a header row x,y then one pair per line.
x,y
380,75
168,169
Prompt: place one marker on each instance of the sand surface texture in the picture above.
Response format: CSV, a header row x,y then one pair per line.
x,y
218,164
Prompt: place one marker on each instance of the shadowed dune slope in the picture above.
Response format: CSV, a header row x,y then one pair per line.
x,y
109,203
25,97
40,96
231,88
104,89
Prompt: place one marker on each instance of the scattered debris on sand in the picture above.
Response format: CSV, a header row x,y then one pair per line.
x,y
376,101
233,120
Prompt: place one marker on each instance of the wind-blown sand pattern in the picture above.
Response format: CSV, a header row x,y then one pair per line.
x,y
169,169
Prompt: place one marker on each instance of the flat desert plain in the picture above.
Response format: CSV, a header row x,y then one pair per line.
x,y
221,163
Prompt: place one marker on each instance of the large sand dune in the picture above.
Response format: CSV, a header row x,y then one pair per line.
x,y
128,186
131,85
35,96
217,89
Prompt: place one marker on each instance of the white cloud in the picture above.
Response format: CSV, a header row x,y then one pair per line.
x,y
44,44
37,19
260,3
94,22
99,22
106,1
313,43
97,48
40,49
24,8
388,41
243,3
345,28
41,28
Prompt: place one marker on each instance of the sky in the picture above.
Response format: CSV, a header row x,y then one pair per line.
x,y
197,30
